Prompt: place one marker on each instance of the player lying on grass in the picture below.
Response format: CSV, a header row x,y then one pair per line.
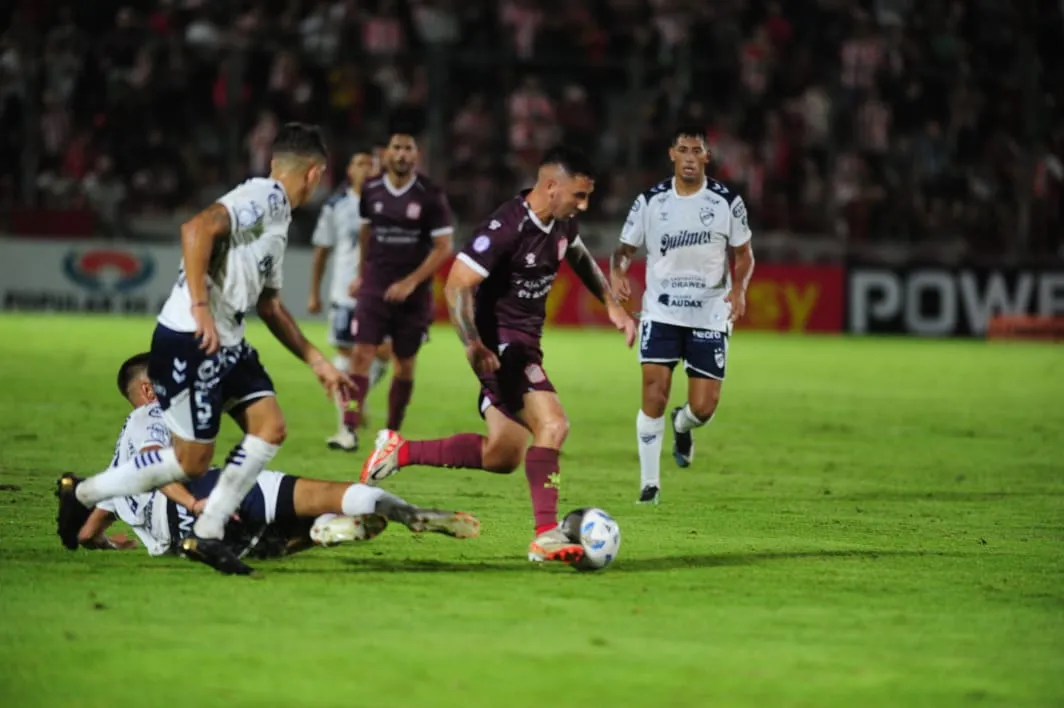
x,y
281,514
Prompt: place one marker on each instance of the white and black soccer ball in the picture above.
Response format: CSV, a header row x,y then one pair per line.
x,y
599,534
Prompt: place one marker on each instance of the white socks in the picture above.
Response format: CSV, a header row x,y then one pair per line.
x,y
650,432
362,499
145,472
377,370
245,463
686,420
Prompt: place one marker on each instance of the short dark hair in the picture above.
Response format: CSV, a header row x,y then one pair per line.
x,y
300,139
363,149
689,130
131,368
573,160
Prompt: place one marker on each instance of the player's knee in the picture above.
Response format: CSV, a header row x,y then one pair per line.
x,y
553,432
705,405
655,398
275,432
502,458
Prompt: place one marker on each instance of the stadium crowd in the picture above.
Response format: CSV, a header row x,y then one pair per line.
x,y
909,120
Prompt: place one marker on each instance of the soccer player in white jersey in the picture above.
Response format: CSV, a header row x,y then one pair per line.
x,y
280,515
689,224
338,229
201,365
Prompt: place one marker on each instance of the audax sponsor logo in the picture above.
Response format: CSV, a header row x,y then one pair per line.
x,y
684,239
680,301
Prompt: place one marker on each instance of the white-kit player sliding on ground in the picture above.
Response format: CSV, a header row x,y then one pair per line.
x,y
338,229
200,364
689,224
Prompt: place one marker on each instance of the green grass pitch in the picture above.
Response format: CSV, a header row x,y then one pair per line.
x,y
868,522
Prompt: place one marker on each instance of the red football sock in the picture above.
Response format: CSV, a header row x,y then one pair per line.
x,y
398,399
541,469
464,450
353,411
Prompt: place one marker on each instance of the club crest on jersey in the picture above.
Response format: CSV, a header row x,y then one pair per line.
x,y
377,207
530,260
413,210
706,214
534,374
563,246
105,270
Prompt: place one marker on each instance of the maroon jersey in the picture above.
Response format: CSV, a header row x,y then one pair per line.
x,y
404,222
519,257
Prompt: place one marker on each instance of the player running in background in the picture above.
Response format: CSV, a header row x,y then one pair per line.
x,y
497,294
338,231
405,239
688,224
201,365
281,514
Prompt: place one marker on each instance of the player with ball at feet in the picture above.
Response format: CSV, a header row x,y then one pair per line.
x,y
497,295
689,224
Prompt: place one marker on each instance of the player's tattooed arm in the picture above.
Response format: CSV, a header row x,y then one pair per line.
x,y
460,290
620,262
584,265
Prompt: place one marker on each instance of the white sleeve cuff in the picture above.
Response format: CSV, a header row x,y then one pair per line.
x,y
477,268
445,231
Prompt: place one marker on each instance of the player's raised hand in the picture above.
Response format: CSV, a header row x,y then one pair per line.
x,y
334,381
206,331
736,297
483,360
314,304
400,290
623,322
354,285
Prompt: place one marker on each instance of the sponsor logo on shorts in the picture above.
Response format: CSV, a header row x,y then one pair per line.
x,y
108,270
535,374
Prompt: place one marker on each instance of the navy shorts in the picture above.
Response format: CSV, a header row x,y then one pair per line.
x,y
342,325
195,389
271,500
703,351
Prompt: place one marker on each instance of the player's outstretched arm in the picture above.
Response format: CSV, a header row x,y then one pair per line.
x,y
92,536
585,267
198,236
620,262
460,291
287,331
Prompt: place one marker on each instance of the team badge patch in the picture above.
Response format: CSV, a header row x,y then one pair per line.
x,y
413,210
705,215
534,373
563,246
719,357
481,243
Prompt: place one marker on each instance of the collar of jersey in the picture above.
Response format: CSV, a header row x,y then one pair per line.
x,y
705,183
545,228
398,192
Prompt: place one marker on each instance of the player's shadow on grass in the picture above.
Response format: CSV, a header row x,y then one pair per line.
x,y
627,565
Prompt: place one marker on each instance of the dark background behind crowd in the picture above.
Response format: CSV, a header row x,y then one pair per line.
x,y
908,122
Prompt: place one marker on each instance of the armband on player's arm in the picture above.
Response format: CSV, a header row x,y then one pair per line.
x,y
585,267
198,236
462,283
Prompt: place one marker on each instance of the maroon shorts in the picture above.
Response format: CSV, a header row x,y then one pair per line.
x,y
520,372
406,323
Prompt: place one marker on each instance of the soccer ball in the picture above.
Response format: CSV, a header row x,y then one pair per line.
x,y
597,532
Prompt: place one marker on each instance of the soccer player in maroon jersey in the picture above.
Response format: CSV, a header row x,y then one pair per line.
x,y
405,238
497,295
